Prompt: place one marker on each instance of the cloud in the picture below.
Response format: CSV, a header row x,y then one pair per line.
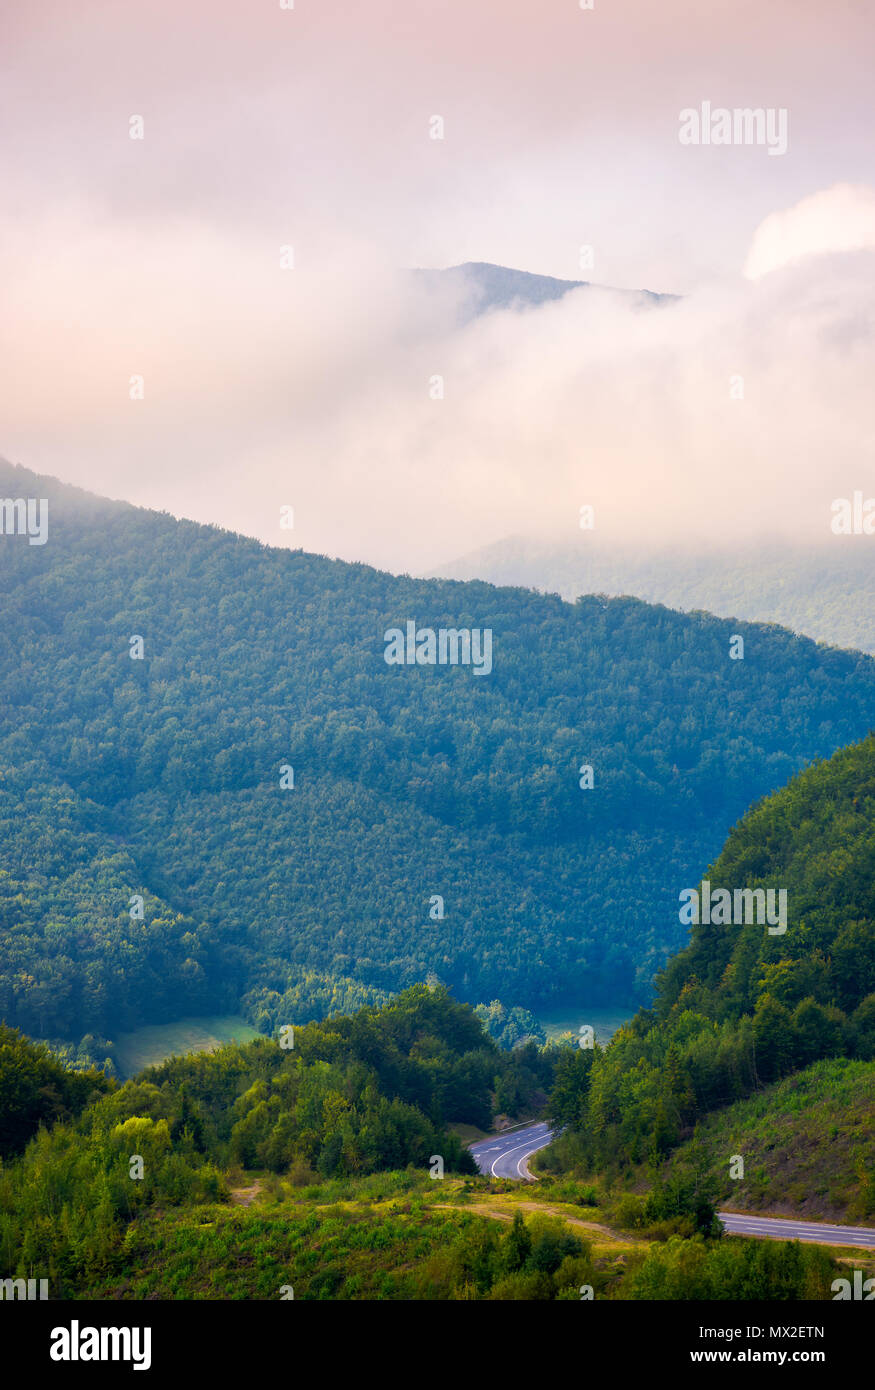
x,y
739,411
561,124
841,218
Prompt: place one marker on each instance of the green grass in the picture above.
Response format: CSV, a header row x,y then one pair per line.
x,y
146,1047
333,1252
422,1247
555,1022
808,1144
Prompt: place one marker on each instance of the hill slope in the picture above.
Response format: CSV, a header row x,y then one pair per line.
x,y
742,1008
816,837
808,1143
160,777
326,1212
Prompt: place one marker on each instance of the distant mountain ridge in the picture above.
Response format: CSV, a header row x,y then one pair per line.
x,y
485,286
436,823
827,593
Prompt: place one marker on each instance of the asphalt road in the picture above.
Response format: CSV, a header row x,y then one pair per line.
x,y
788,1228
504,1156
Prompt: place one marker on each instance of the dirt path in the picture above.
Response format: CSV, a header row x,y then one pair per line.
x,y
505,1213
244,1196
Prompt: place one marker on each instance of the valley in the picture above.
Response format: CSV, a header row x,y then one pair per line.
x,y
150,1046
300,930
280,896
437,685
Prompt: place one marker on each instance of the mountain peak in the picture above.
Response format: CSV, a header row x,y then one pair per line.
x,y
485,286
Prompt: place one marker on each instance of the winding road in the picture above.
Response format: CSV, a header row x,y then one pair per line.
x,y
505,1156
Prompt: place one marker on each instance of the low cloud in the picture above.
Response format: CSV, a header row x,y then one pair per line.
x,y
739,411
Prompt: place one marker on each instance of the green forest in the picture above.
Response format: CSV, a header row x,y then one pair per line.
x,y
160,779
779,1027
356,1095
331,1163
393,916
260,1172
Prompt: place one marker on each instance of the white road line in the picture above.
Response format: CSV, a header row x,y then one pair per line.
x,y
507,1153
828,1234
525,1158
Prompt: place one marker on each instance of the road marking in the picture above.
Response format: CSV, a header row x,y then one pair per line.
x,y
525,1158
827,1234
507,1152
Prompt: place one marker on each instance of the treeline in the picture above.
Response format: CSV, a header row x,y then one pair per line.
x,y
37,1089
828,592
740,1008
359,1093
159,778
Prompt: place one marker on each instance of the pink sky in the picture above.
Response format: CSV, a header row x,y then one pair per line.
x,y
310,127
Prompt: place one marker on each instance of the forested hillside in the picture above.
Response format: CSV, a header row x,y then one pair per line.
x,y
350,1097
325,1170
741,1008
160,777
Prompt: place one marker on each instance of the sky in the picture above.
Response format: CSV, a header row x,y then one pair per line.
x,y
266,384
